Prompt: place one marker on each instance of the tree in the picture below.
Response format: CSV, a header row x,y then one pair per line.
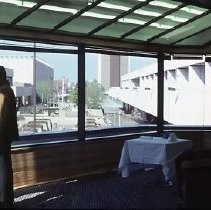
x,y
73,97
43,91
94,95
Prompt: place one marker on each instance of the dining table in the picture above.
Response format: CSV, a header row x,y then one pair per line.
x,y
152,151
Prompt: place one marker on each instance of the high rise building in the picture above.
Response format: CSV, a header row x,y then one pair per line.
x,y
110,70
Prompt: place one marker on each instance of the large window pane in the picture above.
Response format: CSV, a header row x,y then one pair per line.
x,y
186,94
43,84
19,70
119,91
56,78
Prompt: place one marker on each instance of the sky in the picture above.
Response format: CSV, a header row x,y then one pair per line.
x,y
65,65
136,63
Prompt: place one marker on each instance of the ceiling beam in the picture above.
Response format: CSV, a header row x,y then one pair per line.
x,y
138,6
179,26
33,35
28,12
207,46
37,49
76,15
140,27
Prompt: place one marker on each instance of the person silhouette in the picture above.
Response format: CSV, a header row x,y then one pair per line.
x,y
8,133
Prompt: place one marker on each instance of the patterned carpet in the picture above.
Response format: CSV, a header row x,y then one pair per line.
x,y
101,191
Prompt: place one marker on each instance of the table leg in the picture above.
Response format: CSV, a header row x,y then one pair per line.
x,y
168,170
125,172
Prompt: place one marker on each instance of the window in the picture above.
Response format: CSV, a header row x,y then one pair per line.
x,y
185,94
45,87
56,91
119,91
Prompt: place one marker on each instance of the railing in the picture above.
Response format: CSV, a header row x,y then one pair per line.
x,y
182,106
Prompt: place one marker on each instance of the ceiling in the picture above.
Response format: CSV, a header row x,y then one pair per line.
x,y
146,25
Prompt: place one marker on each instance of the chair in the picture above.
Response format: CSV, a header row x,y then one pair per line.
x,y
195,187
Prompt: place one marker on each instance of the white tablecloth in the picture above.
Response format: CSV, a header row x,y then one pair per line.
x,y
152,150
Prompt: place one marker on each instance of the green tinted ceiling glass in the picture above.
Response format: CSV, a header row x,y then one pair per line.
x,y
145,33
185,31
82,25
155,21
115,30
43,19
11,9
52,13
199,39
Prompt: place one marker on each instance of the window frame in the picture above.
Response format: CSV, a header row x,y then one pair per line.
x,y
81,134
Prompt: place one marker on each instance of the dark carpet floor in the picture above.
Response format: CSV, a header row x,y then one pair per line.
x,y
101,191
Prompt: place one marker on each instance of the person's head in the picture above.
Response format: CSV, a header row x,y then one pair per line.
x,y
3,75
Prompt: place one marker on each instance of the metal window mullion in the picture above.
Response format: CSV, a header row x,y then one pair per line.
x,y
81,92
160,92
38,49
34,89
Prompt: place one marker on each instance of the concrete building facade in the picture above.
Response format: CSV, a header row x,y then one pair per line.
x,y
187,96
110,70
26,71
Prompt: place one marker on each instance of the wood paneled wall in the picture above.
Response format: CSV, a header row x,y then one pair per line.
x,y
59,161
52,162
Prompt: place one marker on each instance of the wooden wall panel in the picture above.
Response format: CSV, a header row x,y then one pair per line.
x,y
48,163
59,161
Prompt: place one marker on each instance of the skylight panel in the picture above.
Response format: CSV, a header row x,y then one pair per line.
x,y
163,4
133,21
113,6
198,11
98,15
9,1
161,26
59,9
178,32
176,18
147,13
19,3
